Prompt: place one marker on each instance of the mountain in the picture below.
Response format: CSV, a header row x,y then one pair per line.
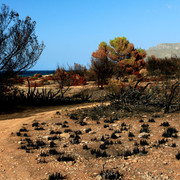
x,y
165,50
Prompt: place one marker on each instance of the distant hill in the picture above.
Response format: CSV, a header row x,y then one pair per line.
x,y
165,50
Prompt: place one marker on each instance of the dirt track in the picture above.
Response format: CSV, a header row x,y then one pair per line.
x,y
12,164
16,164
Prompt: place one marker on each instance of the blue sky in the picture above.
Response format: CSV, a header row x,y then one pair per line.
x,y
72,29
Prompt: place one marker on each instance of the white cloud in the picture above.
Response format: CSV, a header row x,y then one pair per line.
x,y
169,6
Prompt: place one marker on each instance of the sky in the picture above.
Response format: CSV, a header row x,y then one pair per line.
x,y
73,29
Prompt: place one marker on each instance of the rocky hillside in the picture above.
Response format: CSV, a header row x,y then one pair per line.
x,y
165,50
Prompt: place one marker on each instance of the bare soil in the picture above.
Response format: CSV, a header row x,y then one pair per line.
x,y
22,160
87,148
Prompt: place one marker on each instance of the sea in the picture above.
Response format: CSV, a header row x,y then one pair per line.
x,y
32,72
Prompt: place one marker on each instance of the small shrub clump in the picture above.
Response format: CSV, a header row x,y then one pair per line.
x,y
53,152
106,126
53,138
52,144
75,140
165,124
85,147
170,132
145,128
98,153
131,134
74,116
127,153
18,134
106,142
136,150
151,120
162,141
178,156
113,136
141,120
143,143
35,124
56,176
173,145
144,151
103,146
39,128
65,158
145,136
44,154
23,130
109,174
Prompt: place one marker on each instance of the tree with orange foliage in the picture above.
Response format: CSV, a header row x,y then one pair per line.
x,y
119,58
101,65
128,59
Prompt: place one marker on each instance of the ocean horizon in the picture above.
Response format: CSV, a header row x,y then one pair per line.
x,y
32,72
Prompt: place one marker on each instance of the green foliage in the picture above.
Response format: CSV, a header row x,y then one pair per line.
x,y
140,50
121,45
122,55
103,44
117,41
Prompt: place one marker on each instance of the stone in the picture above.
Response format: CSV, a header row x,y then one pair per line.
x,y
134,161
118,135
98,177
143,134
46,137
65,135
86,119
92,132
165,163
20,142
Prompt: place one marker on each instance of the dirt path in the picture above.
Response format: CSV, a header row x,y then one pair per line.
x,y
11,167
15,163
32,111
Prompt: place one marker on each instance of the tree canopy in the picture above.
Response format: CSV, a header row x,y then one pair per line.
x,y
19,47
100,63
122,53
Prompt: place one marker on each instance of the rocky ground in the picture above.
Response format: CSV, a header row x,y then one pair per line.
x,y
82,143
